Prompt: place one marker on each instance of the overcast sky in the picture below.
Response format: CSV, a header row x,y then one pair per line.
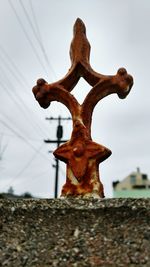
x,y
119,34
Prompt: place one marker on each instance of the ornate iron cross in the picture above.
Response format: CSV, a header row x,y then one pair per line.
x,y
80,153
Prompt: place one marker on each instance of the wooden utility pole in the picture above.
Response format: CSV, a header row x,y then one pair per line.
x,y
57,141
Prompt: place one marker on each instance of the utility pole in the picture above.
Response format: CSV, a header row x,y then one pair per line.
x,y
57,141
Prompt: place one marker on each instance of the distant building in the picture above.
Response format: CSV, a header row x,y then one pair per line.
x,y
135,185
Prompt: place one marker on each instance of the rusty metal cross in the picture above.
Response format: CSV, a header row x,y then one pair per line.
x,y
80,153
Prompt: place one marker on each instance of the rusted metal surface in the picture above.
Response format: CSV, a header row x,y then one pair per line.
x,y
80,153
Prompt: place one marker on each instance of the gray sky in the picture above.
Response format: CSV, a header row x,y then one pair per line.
x,y
119,34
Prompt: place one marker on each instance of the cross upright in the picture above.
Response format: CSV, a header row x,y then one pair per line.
x,y
81,155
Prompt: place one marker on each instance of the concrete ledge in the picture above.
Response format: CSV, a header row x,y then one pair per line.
x,y
75,232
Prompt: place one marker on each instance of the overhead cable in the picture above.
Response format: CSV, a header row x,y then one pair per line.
x,y
25,167
20,104
14,67
11,70
36,33
22,138
27,36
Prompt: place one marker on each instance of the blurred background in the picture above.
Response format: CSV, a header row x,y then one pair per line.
x,y
35,41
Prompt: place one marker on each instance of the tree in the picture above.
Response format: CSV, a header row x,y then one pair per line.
x,y
11,190
27,195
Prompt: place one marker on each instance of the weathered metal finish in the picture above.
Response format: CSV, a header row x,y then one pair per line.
x,y
80,153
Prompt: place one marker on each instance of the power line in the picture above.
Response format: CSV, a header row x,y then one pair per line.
x,y
25,167
26,141
14,67
35,21
13,98
22,138
12,135
29,144
37,176
2,148
37,36
27,36
11,70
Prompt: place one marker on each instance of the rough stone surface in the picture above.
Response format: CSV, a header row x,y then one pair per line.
x,y
75,232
